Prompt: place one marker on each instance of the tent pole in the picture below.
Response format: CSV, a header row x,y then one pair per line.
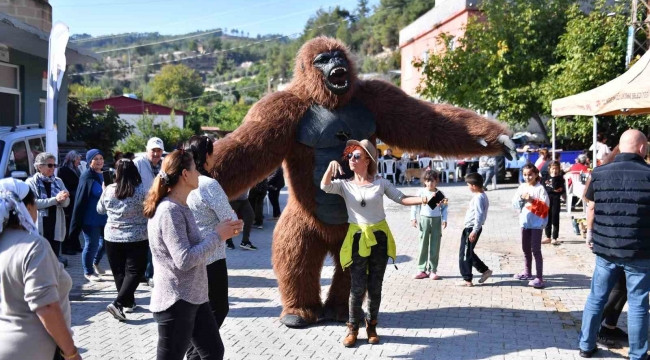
x,y
595,141
553,138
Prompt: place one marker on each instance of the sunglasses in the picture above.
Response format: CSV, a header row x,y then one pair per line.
x,y
355,156
50,165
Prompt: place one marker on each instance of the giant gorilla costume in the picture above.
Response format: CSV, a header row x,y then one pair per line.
x,y
307,126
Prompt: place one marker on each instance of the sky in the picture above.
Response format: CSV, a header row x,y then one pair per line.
x,y
169,17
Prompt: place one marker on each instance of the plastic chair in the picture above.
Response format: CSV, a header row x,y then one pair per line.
x,y
390,167
402,165
426,163
450,168
577,188
380,167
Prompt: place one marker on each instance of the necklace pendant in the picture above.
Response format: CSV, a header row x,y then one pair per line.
x,y
363,203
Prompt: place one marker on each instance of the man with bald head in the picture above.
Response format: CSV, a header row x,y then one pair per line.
x,y
618,231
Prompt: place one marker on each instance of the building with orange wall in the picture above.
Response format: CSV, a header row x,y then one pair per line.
x,y
421,37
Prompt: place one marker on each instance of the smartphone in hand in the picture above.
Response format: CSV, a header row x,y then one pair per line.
x,y
434,201
108,177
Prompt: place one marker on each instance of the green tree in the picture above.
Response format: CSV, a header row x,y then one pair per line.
x,y
88,93
170,134
100,131
175,82
224,115
362,9
502,60
591,52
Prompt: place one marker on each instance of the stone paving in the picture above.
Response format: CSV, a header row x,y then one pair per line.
x,y
419,319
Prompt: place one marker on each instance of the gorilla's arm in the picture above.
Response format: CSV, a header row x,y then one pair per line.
x,y
259,145
413,124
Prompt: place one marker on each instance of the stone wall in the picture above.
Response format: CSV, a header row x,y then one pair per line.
x,y
37,13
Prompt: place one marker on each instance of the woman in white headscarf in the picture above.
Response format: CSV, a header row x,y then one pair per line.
x,y
35,311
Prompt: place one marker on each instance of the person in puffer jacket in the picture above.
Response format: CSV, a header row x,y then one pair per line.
x,y
532,202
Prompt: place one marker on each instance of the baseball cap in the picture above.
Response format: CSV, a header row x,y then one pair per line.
x,y
155,143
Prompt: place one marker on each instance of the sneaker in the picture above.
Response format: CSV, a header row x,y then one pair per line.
x,y
537,283
258,226
588,353
247,246
93,277
98,269
465,283
116,311
523,276
614,334
421,275
230,245
485,276
434,276
130,309
604,341
556,242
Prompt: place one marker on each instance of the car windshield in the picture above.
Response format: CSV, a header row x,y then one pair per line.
x,y
2,148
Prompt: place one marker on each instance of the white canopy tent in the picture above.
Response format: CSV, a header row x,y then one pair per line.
x,y
628,94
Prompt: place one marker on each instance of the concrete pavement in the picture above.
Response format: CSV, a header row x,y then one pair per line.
x,y
419,319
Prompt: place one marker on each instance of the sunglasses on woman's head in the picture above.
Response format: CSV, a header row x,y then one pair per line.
x,y
355,156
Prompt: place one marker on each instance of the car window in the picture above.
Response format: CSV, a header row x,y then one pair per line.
x,y
18,159
36,146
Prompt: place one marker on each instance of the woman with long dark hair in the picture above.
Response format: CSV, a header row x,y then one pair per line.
x,y
209,204
125,234
180,253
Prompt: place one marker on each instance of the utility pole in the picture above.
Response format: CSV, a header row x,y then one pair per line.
x,y
638,33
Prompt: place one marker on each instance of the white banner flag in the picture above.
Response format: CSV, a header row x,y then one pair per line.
x,y
56,64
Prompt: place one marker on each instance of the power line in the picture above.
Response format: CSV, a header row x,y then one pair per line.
x,y
201,55
215,31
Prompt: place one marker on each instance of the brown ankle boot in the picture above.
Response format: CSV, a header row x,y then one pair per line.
x,y
351,337
371,329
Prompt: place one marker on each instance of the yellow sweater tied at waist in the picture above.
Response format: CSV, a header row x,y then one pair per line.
x,y
366,242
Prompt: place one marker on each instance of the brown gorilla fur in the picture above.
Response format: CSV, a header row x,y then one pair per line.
x,y
268,137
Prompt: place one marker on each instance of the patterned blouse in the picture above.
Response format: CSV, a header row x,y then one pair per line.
x,y
126,223
210,206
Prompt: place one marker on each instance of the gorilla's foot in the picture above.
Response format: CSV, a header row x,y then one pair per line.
x,y
298,318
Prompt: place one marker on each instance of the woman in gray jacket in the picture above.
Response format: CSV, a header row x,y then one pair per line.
x,y
125,234
51,198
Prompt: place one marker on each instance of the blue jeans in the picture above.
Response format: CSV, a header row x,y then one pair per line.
x,y
94,247
606,274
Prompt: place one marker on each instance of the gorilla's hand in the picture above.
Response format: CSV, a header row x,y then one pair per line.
x,y
509,148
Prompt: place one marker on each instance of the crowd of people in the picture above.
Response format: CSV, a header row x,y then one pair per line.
x,y
169,215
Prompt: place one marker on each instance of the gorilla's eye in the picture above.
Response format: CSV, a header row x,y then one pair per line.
x,y
322,59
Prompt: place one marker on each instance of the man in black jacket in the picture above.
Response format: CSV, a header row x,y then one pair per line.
x,y
276,183
618,231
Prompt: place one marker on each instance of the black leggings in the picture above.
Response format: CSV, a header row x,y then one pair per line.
x,y
553,217
218,294
615,302
367,273
184,323
274,198
128,262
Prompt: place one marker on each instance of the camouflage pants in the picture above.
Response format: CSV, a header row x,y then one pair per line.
x,y
367,274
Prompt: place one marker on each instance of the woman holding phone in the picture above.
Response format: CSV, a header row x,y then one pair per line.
x,y
86,217
51,198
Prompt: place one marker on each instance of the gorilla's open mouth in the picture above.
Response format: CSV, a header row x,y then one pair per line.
x,y
338,78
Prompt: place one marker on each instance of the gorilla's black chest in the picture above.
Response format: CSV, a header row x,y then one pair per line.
x,y
327,131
